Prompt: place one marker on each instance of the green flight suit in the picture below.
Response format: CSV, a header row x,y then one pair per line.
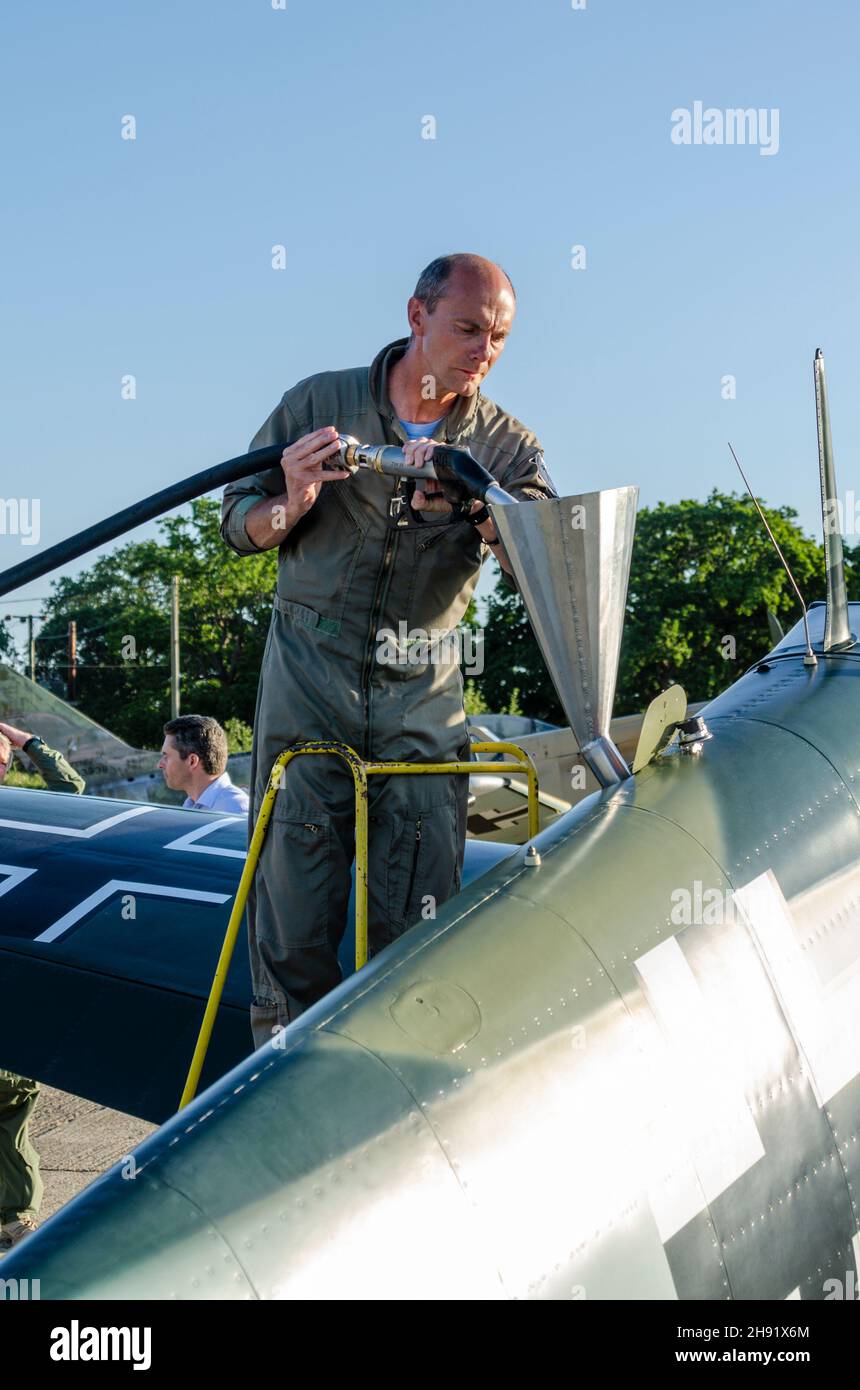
x,y
20,1181
357,566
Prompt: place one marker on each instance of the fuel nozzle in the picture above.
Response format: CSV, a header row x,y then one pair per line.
x,y
460,476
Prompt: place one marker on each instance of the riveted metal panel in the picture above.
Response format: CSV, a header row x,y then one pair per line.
x,y
316,1171
541,1101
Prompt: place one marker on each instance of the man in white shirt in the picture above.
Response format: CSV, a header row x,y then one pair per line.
x,y
194,761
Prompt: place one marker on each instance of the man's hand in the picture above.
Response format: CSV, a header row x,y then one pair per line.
x,y
302,466
270,521
17,737
431,498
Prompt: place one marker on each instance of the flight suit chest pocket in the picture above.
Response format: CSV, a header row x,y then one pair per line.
x,y
322,561
432,532
446,560
349,509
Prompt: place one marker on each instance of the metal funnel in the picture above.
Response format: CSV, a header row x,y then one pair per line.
x,y
571,559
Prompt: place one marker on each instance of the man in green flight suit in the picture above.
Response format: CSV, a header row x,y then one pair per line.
x,y
362,558
20,1181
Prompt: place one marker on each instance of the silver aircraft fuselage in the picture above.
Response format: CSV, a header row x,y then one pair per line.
x,y
630,1070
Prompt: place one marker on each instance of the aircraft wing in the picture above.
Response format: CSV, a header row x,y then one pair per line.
x,y
112,915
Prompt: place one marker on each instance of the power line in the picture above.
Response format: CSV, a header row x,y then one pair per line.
x,y
117,666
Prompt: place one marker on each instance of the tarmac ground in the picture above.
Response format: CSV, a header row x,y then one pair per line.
x,y
77,1141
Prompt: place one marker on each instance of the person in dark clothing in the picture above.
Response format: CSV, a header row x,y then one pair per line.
x,y
20,1180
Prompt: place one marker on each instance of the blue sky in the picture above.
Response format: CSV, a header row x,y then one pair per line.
x,y
302,127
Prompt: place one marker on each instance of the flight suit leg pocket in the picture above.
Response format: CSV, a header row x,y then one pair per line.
x,y
440,847
407,876
268,1017
394,865
298,881
423,867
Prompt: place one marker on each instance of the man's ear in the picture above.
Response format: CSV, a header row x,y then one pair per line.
x,y
415,315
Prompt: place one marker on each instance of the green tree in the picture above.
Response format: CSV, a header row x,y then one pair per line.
x,y
475,703
240,736
514,679
702,579
122,609
7,646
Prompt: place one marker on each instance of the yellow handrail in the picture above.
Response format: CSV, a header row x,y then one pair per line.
x,y
361,770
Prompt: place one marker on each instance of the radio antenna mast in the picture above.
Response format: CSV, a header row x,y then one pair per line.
x,y
810,658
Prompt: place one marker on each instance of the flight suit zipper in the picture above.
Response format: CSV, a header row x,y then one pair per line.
x,y
415,851
383,580
431,540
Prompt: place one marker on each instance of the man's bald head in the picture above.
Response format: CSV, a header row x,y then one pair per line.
x,y
464,269
460,315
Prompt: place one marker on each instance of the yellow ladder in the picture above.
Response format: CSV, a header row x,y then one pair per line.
x,y
361,770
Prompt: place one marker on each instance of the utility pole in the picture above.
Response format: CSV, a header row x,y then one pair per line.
x,y
29,619
174,649
72,681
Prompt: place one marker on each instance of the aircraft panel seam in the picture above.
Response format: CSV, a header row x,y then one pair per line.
x,y
347,1037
